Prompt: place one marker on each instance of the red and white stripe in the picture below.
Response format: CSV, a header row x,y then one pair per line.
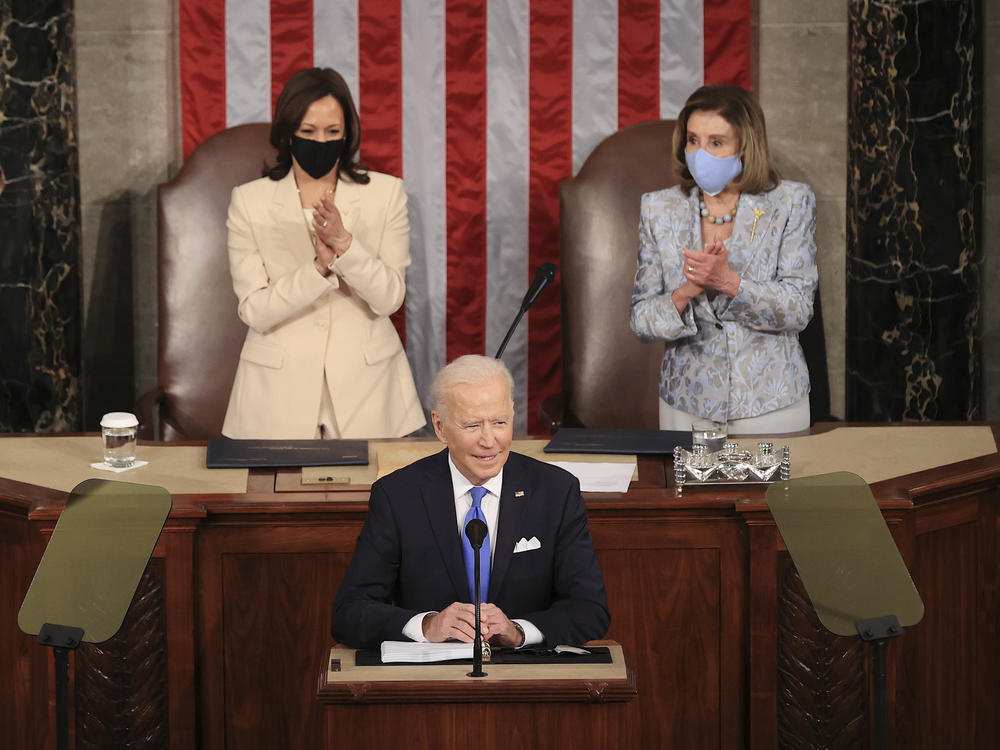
x,y
482,108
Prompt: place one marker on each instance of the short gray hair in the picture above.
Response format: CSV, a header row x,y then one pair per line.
x,y
469,368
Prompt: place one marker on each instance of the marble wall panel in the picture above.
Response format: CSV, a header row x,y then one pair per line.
x,y
776,13
831,221
803,90
39,219
915,211
991,215
129,138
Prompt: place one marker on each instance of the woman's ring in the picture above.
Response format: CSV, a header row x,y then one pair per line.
x,y
325,222
690,268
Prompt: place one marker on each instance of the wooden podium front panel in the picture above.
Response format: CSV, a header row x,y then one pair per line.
x,y
485,726
26,718
514,706
948,684
676,591
266,598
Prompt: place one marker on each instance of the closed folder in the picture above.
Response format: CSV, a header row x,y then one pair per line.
x,y
583,440
240,454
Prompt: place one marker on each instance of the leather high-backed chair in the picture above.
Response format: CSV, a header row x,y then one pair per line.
x,y
610,377
200,335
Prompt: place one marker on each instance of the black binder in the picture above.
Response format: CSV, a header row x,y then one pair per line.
x,y
241,454
583,440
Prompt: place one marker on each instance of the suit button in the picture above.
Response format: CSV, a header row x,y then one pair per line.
x,y
719,326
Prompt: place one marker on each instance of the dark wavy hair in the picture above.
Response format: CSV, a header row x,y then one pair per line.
x,y
741,110
301,90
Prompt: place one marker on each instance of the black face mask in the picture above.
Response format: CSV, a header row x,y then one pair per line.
x,y
316,157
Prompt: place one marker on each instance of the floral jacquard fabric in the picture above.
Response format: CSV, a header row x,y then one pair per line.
x,y
730,357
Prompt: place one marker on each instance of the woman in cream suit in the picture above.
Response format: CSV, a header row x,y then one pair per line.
x,y
318,251
727,274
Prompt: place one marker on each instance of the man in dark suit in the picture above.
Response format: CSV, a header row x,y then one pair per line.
x,y
407,579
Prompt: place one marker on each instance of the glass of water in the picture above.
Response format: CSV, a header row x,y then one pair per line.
x,y
709,433
118,430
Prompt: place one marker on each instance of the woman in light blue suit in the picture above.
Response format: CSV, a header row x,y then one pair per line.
x,y
727,273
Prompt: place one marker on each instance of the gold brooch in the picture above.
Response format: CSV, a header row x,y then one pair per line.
x,y
757,213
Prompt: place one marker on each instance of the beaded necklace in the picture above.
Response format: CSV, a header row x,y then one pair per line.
x,y
724,219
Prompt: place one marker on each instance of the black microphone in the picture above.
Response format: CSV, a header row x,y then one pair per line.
x,y
544,276
476,531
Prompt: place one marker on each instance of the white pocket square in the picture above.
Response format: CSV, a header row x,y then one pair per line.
x,y
525,544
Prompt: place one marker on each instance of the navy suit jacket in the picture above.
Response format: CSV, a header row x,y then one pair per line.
x,y
408,557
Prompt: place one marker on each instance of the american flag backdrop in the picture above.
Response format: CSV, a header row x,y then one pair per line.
x,y
482,108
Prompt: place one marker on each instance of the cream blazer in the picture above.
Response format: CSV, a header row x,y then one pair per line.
x,y
303,325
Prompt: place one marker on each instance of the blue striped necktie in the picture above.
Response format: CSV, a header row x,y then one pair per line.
x,y
468,554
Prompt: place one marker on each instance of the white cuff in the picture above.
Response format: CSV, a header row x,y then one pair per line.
x,y
414,628
532,635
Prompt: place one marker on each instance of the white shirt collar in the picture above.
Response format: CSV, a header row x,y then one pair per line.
x,y
461,485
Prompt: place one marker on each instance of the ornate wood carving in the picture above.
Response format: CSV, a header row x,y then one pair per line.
x,y
822,686
121,684
596,691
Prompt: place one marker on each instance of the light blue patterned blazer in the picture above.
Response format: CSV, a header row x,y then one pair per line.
x,y
730,358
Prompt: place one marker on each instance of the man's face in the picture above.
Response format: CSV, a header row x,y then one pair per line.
x,y
477,425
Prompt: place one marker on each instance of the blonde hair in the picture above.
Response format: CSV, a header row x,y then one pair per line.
x,y
739,109
469,368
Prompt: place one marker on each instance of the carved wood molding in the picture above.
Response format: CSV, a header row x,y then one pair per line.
x,y
121,684
822,684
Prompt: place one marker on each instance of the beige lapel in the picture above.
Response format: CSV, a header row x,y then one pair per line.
x,y
347,199
288,223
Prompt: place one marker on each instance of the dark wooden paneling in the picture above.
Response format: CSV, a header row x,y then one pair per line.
x,y
265,604
518,726
25,717
176,548
676,635
675,591
277,614
940,655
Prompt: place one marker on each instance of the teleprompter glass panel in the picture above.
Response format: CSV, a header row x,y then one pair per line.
x,y
95,558
842,548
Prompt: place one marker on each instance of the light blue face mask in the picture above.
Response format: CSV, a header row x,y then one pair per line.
x,y
710,172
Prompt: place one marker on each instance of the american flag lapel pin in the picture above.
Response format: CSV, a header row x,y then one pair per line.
x,y
519,493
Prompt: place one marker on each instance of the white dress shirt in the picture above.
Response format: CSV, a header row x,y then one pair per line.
x,y
490,505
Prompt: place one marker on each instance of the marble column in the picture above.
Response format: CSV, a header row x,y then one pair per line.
x,y
914,210
39,219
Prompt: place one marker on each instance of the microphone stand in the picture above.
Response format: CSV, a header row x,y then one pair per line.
x,y
544,276
477,645
476,539
510,332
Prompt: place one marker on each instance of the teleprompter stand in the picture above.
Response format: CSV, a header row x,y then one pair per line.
x,y
850,567
89,573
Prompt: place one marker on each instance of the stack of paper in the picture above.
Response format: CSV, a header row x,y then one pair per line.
x,y
397,651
